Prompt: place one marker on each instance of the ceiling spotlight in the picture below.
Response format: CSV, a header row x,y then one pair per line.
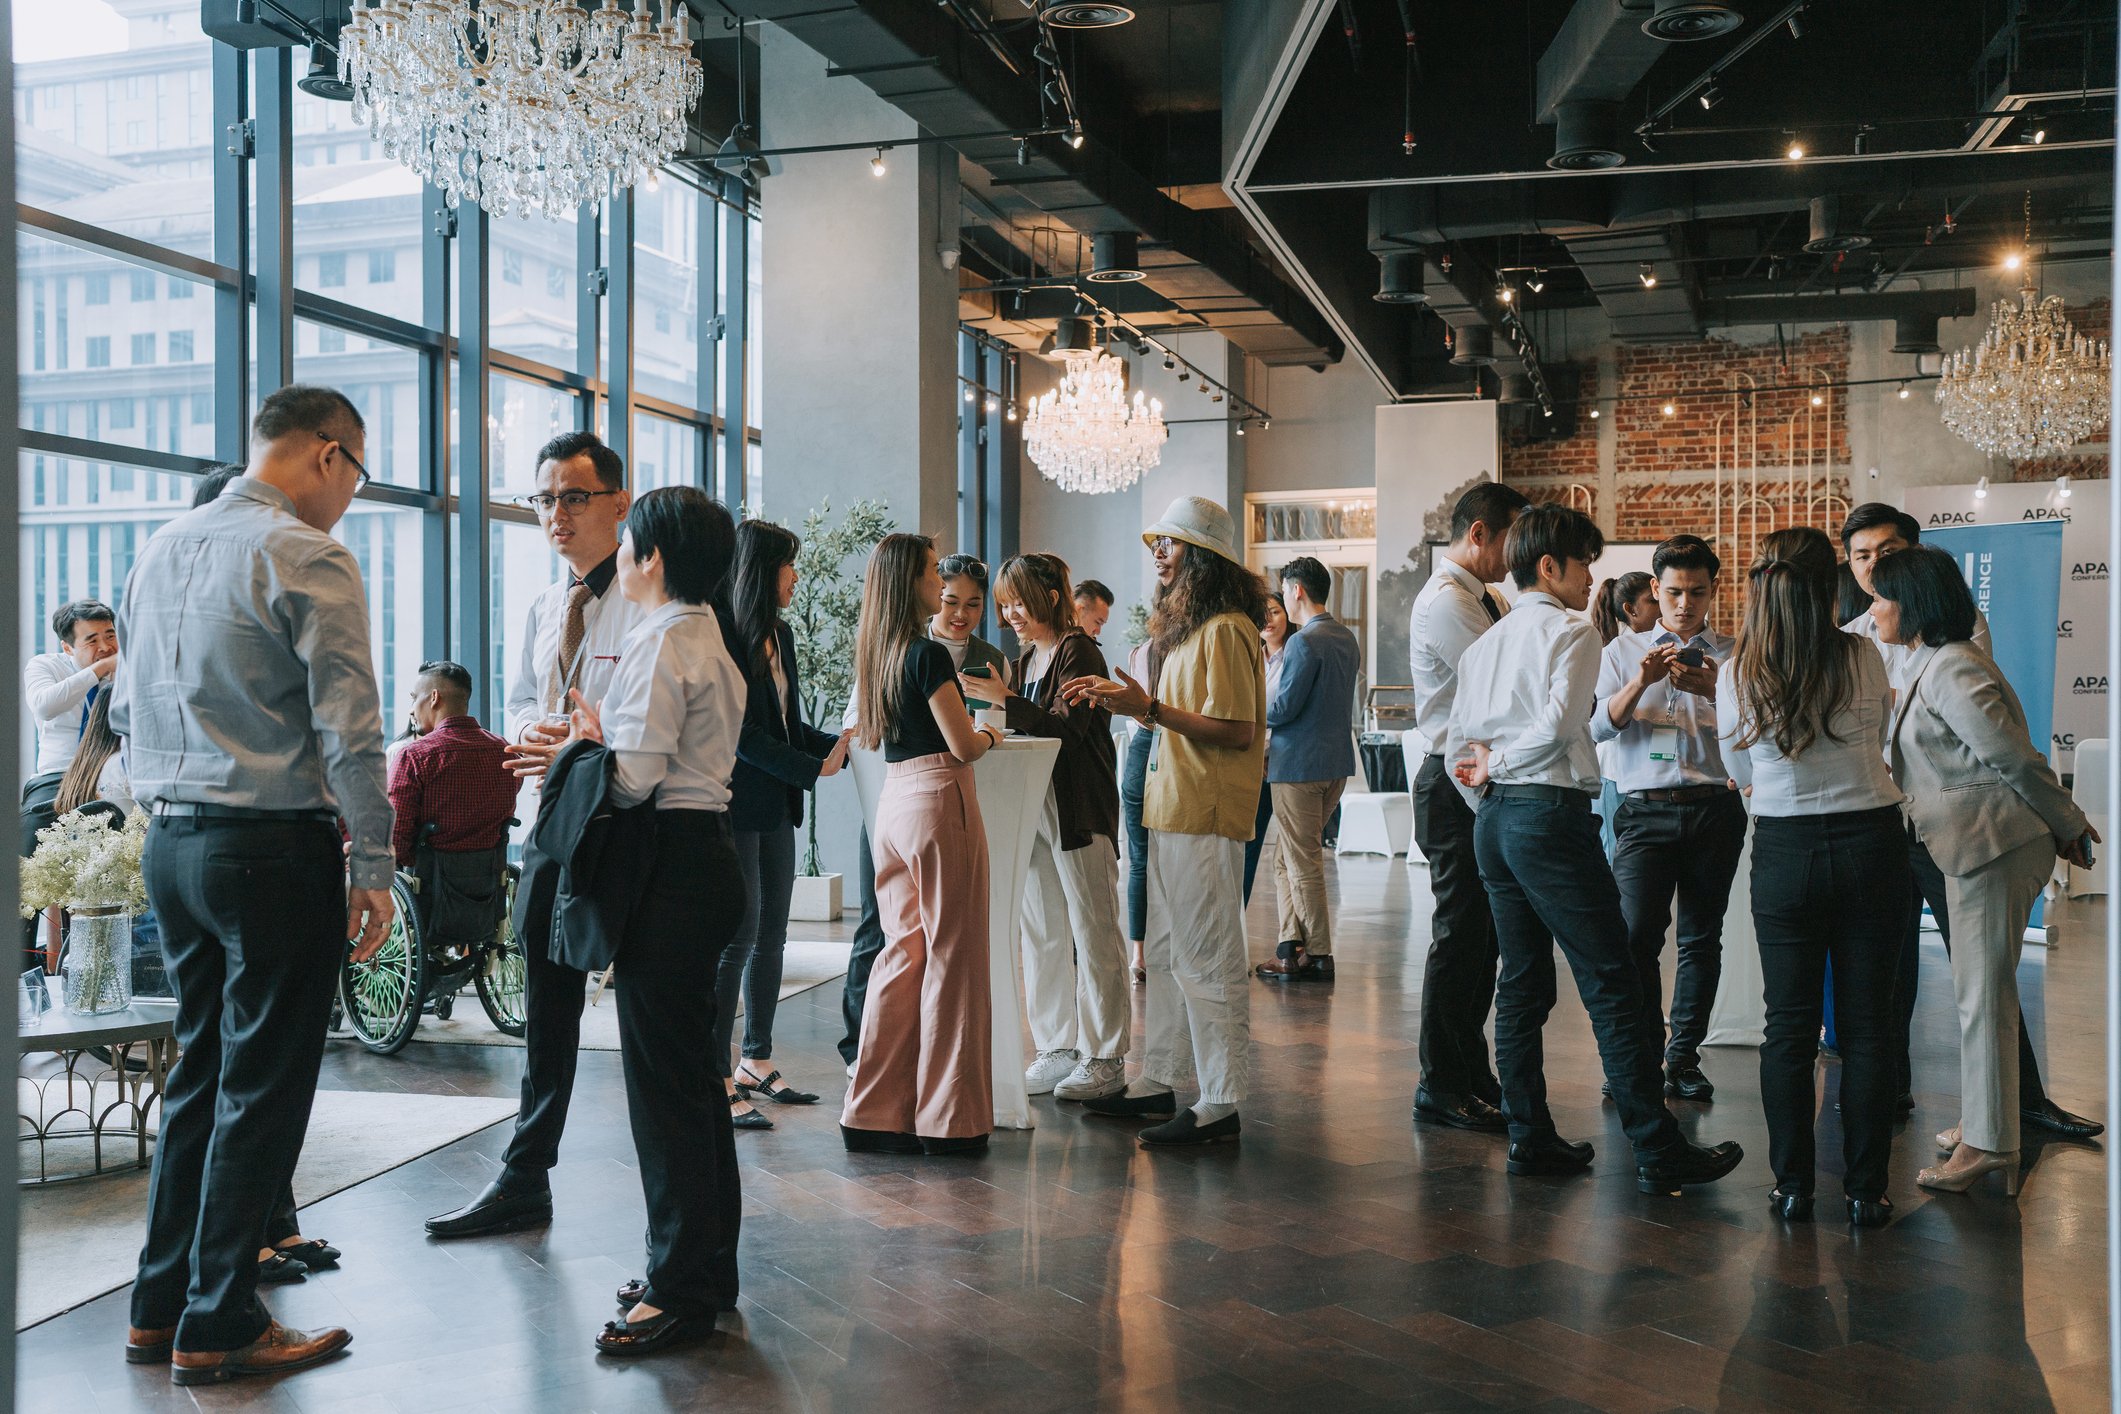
x,y
1023,152
1505,293
1011,414
1538,281
1204,385
1981,489
1903,390
876,163
1265,423
2012,261
1669,409
1647,276
2040,135
1796,152
1240,429
1796,29
1075,135
2062,484
1170,362
1709,97
1217,397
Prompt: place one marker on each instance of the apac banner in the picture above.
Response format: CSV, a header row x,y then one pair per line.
x,y
2072,589
2015,572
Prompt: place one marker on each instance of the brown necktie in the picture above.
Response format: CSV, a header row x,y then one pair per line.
x,y
570,647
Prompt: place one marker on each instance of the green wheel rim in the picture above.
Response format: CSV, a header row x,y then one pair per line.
x,y
378,990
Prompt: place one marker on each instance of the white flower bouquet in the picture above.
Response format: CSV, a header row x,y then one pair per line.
x,y
84,865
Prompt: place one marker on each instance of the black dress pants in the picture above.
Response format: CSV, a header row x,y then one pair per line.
x,y
1458,979
690,909
1548,882
1690,848
553,997
253,916
868,942
1928,887
1829,886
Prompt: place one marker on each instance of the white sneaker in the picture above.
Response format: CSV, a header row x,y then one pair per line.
x,y
1048,1070
1093,1080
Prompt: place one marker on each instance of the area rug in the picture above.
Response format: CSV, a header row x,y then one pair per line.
x,y
82,1239
803,966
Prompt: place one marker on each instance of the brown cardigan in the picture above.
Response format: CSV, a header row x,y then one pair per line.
x,y
1086,777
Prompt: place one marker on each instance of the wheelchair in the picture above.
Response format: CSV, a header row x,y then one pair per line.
x,y
419,970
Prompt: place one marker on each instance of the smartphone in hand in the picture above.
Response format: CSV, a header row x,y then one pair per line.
x,y
984,670
1690,657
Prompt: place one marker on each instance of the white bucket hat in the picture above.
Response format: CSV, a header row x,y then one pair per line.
x,y
1196,520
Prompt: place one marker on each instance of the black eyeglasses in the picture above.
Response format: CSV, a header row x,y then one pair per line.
x,y
573,502
359,470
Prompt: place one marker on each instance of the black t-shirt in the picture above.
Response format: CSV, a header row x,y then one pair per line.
x,y
928,667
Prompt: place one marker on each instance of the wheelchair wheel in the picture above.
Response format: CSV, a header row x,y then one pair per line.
x,y
501,977
382,996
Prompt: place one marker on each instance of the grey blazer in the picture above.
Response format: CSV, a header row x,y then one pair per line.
x,y
1977,786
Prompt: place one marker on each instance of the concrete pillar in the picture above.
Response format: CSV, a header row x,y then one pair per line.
x,y
859,363
1204,457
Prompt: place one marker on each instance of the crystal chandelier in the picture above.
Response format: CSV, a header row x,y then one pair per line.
x,y
1085,435
521,105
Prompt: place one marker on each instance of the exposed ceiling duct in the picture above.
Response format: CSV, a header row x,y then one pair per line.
x,y
1594,63
1684,20
1827,234
1400,279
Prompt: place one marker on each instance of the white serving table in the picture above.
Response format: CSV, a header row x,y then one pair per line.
x,y
1011,780
1739,1016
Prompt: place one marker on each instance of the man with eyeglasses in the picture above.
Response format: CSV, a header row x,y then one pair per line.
x,y
570,641
247,698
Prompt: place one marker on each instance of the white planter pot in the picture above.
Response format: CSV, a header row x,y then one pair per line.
x,y
817,898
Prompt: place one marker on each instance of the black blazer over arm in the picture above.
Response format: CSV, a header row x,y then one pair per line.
x,y
1086,777
778,754
569,906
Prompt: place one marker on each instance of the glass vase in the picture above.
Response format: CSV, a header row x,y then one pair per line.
x,y
97,973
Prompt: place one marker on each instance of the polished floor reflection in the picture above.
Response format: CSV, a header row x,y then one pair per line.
x,y
1338,1260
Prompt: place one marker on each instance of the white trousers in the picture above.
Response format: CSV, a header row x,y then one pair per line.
x,y
1200,996
1989,909
1075,957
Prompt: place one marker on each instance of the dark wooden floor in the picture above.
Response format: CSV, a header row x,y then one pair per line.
x,y
1339,1260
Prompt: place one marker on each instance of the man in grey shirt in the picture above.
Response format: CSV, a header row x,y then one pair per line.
x,y
249,708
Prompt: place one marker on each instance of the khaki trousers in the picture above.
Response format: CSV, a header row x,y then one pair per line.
x,y
926,1063
1989,909
1075,961
1301,809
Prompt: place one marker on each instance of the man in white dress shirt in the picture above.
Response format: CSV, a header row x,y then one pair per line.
x,y
1681,826
1458,1085
1519,742
60,688
571,640
1871,532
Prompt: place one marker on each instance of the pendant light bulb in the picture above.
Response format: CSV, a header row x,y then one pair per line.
x,y
876,163
1903,390
1669,409
1796,152
655,180
1818,401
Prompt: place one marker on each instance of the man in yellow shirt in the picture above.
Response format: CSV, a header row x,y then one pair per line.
x,y
1209,713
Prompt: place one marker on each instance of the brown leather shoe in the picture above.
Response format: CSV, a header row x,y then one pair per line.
x,y
149,1347
277,1352
1293,962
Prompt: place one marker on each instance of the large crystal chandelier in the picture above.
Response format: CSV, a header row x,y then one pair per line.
x,y
2032,387
1085,435
521,105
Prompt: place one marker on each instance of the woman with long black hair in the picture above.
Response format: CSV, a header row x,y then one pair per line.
x,y
779,757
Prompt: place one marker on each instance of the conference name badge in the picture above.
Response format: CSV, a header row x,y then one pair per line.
x,y
1664,743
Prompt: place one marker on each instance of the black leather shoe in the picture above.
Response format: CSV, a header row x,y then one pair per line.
x,y
1790,1207
1549,1154
1688,1083
656,1333
1125,1106
1870,1212
879,1141
315,1254
970,1144
2058,1121
1689,1163
632,1293
1187,1129
494,1210
1458,1111
1606,1089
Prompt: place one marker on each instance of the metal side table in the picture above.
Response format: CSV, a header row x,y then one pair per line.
x,y
110,1097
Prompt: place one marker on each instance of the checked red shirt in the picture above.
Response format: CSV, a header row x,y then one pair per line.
x,y
454,776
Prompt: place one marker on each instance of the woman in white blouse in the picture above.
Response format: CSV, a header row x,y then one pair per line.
x,y
1830,871
671,718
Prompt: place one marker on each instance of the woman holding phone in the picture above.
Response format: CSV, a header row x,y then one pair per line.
x,y
923,1078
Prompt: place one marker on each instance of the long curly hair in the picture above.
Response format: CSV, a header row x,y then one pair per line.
x,y
1206,585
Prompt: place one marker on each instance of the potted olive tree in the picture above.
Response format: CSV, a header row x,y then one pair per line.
x,y
824,615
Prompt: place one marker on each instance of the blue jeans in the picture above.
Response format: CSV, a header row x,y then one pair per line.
x,y
1132,780
751,964
1548,882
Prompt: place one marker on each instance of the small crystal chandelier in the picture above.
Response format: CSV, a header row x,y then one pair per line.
x,y
2033,386
521,105
1085,436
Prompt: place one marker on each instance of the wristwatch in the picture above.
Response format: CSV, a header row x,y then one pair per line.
x,y
1156,710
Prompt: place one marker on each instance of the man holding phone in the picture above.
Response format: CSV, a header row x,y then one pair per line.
x,y
1680,827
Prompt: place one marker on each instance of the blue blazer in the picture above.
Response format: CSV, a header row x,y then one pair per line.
x,y
1313,711
777,754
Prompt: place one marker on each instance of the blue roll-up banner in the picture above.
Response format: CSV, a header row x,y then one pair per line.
x,y
2015,571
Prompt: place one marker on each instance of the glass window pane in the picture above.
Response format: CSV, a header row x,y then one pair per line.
x,y
357,221
383,381
83,525
108,355
524,563
666,349
531,285
523,417
665,453
755,326
125,143
387,542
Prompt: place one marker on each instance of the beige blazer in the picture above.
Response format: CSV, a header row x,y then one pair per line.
x,y
1977,786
